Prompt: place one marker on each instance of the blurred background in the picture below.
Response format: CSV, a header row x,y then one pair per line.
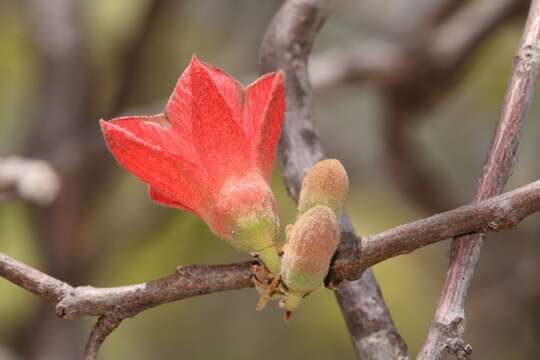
x,y
410,116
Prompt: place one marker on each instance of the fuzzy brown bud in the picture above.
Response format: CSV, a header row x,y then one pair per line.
x,y
310,247
326,183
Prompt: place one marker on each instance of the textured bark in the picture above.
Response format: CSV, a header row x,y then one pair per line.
x,y
367,319
287,46
448,326
496,213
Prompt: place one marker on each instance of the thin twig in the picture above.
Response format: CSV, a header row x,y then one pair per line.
x,y
103,327
448,326
433,63
444,10
368,334
434,67
466,29
397,62
378,61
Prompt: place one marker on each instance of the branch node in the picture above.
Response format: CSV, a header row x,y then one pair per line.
x,y
528,58
460,349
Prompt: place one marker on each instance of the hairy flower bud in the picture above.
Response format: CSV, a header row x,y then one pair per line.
x,y
326,183
310,247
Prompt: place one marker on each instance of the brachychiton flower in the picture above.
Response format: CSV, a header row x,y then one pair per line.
x,y
211,153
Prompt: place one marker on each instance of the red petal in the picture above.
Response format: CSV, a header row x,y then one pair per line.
x,y
218,137
178,109
264,110
139,152
157,131
167,201
230,89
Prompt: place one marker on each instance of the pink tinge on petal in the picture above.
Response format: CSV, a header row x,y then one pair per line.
x,y
263,117
168,201
257,95
178,109
230,89
170,174
157,131
219,139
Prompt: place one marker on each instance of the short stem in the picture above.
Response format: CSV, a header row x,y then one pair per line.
x,y
271,259
292,301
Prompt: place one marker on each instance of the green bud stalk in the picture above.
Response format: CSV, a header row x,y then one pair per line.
x,y
257,235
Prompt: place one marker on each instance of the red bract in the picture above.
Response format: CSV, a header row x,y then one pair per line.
x,y
211,152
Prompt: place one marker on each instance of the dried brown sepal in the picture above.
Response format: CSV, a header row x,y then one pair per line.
x,y
266,285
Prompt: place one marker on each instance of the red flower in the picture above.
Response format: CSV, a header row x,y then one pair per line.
x,y
211,152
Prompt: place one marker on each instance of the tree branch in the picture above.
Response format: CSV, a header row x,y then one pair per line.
x,y
448,326
118,303
397,62
103,327
287,45
433,64
462,33
373,60
360,300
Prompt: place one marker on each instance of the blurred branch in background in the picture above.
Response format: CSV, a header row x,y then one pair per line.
x,y
112,305
60,136
432,61
31,180
6,354
130,58
448,326
55,136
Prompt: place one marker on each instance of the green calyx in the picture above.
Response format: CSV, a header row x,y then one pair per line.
x,y
291,302
257,235
311,241
301,282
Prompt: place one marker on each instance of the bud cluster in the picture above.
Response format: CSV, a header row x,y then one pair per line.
x,y
313,239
